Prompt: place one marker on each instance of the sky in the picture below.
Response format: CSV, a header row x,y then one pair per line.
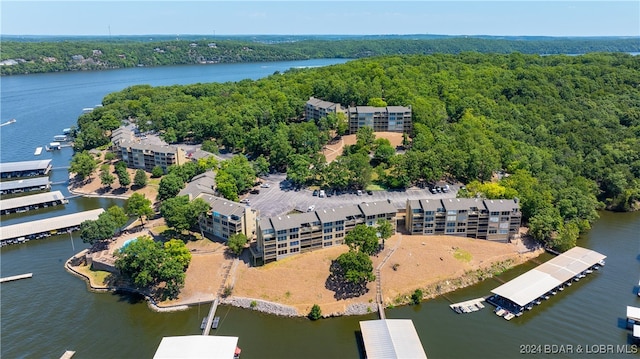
x,y
209,17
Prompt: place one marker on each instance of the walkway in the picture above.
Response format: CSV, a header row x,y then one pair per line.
x,y
379,298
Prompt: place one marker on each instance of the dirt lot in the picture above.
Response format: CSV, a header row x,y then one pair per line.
x,y
331,152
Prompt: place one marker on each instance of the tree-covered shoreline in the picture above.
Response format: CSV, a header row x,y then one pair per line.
x,y
74,54
564,129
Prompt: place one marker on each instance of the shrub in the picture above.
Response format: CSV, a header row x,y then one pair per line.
x,y
109,156
253,304
315,312
157,172
416,297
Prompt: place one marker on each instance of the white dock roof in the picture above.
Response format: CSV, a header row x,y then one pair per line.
x,y
24,183
633,313
197,346
24,165
391,338
31,200
531,285
48,224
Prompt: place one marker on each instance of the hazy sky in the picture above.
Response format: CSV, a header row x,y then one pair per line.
x,y
549,18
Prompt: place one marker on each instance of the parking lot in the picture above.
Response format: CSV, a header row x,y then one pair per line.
x,y
278,199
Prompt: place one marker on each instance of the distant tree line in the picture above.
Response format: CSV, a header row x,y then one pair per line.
x,y
99,54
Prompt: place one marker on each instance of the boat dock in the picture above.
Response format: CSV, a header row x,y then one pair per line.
x,y
209,319
25,169
16,277
38,151
32,202
25,185
68,354
546,280
22,232
469,306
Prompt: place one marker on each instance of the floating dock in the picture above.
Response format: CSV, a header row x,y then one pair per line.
x,y
16,277
22,232
68,354
469,306
32,202
38,151
546,280
209,323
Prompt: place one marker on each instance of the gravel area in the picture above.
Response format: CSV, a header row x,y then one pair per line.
x,y
262,306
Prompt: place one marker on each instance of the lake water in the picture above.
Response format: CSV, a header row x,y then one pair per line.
x,y
52,312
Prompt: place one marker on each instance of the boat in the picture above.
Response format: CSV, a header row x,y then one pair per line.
x,y
500,312
54,146
38,151
588,271
601,262
509,316
13,120
215,323
204,322
561,288
60,138
236,354
569,284
66,131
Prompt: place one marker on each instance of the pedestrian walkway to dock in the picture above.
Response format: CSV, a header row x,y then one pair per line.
x,y
22,232
32,202
468,306
16,277
212,313
546,279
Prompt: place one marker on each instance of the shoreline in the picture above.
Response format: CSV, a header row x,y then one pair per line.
x,y
432,290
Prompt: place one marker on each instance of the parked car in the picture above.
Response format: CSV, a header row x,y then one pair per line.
x,y
255,191
370,192
359,193
311,208
322,194
315,192
265,185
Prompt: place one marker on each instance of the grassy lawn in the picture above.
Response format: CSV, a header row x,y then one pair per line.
x,y
374,187
97,277
462,255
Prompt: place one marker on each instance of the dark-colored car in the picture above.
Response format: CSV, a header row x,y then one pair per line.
x,y
315,192
370,192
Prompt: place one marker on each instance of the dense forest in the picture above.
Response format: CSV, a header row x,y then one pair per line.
x,y
24,57
564,129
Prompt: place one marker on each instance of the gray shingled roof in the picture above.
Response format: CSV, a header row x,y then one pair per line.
x,y
398,109
375,208
203,183
456,204
224,206
293,220
149,146
430,204
499,205
338,214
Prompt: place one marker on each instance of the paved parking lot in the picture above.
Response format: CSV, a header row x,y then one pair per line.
x,y
275,200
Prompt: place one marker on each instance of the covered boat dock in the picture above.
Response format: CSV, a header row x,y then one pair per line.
x,y
198,346
25,185
25,169
546,279
28,203
22,232
391,338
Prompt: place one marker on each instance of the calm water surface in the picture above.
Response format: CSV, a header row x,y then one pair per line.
x,y
52,312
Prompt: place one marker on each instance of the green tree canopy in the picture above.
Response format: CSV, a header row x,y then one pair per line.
x,y
169,187
237,242
363,238
356,267
138,205
83,164
140,178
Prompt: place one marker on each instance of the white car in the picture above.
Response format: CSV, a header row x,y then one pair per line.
x,y
322,194
265,185
311,208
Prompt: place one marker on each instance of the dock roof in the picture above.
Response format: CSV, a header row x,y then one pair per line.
x,y
391,338
24,201
24,166
197,346
533,284
24,183
633,313
48,224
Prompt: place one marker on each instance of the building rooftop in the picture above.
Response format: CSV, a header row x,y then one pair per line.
x,y
391,338
48,224
24,183
224,206
316,102
500,205
398,109
24,201
25,166
375,208
203,183
456,204
431,204
197,347
293,220
148,146
533,284
338,214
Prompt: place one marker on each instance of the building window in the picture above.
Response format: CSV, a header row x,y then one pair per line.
x,y
282,238
341,228
452,212
461,230
428,213
492,231
429,231
294,243
284,251
328,224
504,231
294,250
451,230
451,224
493,219
282,231
451,218
495,213
428,219
282,245
328,230
339,223
339,235
294,236
416,210
328,244
328,237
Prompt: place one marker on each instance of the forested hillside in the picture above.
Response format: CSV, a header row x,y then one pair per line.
x,y
566,129
23,57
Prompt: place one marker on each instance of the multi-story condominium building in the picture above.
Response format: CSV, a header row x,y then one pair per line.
x,y
390,118
227,218
316,108
147,156
282,236
494,220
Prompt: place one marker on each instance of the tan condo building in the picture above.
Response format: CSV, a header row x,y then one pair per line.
x,y
495,220
282,236
316,108
381,119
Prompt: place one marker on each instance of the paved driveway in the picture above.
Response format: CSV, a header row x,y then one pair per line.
x,y
275,200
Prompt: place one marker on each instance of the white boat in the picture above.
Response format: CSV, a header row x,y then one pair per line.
x,y
60,138
509,316
38,151
54,146
500,312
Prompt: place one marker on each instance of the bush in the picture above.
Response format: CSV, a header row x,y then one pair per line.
x,y
157,172
253,304
416,297
315,312
109,156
